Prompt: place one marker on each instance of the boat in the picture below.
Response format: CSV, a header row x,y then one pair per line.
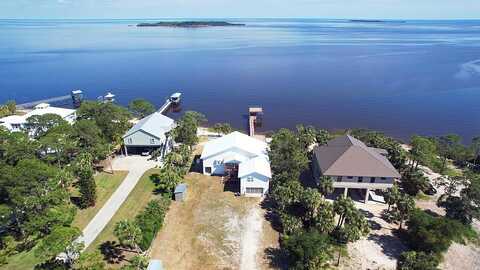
x,y
175,97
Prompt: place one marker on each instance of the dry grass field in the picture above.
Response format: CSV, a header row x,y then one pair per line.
x,y
214,229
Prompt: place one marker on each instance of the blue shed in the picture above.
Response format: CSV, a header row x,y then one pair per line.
x,y
180,192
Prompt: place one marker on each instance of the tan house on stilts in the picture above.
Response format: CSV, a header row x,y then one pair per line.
x,y
353,165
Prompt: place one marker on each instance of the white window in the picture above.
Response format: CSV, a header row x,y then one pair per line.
x,y
130,140
152,141
250,179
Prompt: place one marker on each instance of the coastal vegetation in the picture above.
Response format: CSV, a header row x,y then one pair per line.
x,y
47,175
141,107
428,235
9,108
302,212
222,128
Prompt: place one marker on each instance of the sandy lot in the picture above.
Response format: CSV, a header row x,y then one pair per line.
x,y
213,229
380,249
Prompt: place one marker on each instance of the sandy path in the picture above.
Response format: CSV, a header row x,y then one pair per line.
x,y
250,239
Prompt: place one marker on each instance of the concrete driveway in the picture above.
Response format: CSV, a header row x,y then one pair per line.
x,y
136,167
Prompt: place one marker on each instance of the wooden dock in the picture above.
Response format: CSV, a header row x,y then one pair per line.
x,y
253,114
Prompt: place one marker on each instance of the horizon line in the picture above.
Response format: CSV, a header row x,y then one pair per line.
x,y
253,18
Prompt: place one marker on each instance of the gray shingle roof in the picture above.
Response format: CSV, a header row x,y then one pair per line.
x,y
156,124
347,156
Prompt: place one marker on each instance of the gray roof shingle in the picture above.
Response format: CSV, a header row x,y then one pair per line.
x,y
347,156
156,124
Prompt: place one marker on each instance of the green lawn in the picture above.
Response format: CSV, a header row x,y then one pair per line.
x,y
106,184
22,261
136,202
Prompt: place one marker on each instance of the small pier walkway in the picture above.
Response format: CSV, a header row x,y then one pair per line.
x,y
253,114
172,100
165,106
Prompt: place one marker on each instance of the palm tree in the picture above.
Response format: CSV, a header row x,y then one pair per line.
x,y
392,196
326,185
128,233
352,224
403,207
344,208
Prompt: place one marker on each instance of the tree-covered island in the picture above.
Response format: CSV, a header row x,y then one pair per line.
x,y
189,24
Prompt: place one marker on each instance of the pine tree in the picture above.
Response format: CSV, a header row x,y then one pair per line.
x,y
86,181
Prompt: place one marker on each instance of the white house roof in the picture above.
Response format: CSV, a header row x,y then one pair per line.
x,y
234,157
156,124
255,165
235,140
42,106
50,110
12,119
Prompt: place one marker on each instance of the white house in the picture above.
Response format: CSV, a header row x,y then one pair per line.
x,y
17,122
239,157
149,134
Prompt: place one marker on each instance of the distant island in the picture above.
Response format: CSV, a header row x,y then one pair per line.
x,y
375,21
189,24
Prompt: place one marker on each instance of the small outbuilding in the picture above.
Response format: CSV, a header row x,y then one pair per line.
x,y
180,192
155,265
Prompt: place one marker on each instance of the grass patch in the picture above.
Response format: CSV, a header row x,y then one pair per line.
x,y
22,261
106,186
134,204
422,196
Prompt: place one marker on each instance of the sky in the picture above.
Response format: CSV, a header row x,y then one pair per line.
x,y
123,9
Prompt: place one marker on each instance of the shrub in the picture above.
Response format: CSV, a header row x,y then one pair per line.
x,y
413,260
151,220
308,250
435,234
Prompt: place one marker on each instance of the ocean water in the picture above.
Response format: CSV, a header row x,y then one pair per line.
x,y
402,78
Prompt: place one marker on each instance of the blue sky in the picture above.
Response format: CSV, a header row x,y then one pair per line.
x,y
386,9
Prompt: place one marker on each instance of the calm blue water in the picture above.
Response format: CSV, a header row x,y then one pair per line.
x,y
418,77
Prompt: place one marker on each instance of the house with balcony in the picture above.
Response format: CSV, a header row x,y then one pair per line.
x,y
241,159
353,165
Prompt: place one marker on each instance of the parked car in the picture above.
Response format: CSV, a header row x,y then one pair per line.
x,y
146,154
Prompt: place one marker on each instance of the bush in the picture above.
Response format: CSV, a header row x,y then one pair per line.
x,y
435,234
151,220
414,182
308,250
412,260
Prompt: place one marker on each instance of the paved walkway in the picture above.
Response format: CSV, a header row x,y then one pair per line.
x,y
136,167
